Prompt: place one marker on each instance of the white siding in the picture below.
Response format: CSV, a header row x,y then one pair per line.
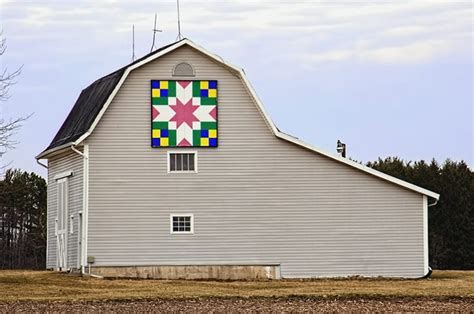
x,y
69,161
256,198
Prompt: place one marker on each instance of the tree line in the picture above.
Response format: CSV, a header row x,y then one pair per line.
x,y
451,220
22,220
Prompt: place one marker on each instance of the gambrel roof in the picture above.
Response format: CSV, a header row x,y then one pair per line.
x,y
88,105
94,100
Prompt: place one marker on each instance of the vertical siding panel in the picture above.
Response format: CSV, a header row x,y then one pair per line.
x,y
256,198
69,161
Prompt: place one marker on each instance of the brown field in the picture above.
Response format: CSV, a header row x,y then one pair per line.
x,y
446,290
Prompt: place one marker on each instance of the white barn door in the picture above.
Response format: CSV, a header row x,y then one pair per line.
x,y
62,223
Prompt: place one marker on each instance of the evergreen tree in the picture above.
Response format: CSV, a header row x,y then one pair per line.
x,y
22,220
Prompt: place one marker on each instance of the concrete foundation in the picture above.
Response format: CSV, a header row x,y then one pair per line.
x,y
220,272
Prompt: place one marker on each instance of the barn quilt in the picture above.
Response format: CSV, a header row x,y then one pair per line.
x,y
183,113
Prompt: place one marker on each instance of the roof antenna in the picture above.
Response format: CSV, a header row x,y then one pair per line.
x,y
155,30
133,42
179,37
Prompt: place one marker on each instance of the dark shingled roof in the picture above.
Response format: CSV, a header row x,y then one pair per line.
x,y
88,105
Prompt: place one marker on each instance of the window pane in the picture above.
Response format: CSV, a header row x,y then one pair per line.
x,y
172,162
185,161
191,162
179,162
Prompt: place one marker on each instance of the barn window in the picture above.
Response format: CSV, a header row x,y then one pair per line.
x,y
182,162
183,69
182,223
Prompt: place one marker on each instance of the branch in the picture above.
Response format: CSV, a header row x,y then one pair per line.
x,y
7,79
7,129
3,44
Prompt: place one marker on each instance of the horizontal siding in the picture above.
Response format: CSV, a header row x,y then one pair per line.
x,y
69,161
256,198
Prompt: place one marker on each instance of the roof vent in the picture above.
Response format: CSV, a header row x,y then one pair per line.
x,y
183,69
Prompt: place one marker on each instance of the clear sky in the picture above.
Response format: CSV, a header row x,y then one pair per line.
x,y
389,78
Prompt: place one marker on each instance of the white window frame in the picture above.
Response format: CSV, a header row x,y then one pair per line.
x,y
181,232
179,151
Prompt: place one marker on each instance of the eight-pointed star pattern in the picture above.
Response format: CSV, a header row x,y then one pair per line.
x,y
184,113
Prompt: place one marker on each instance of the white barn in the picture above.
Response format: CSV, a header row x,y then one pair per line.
x,y
170,168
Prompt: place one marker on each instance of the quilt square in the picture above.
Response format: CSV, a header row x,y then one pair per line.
x,y
183,113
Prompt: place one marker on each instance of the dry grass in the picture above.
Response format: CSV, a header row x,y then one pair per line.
x,y
51,286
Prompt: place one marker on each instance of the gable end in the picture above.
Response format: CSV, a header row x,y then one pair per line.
x,y
94,100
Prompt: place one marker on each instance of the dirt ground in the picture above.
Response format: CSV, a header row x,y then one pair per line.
x,y
47,291
48,286
246,305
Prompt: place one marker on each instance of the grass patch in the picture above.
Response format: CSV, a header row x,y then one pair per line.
x,y
53,286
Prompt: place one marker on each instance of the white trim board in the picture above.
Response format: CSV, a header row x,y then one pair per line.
x,y
240,73
64,174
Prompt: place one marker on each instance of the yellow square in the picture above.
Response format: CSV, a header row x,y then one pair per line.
x,y
213,93
212,133
164,141
204,142
155,92
204,84
156,133
164,84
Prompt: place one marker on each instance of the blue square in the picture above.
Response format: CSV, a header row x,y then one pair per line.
x,y
204,93
213,142
163,93
155,84
155,142
204,133
212,84
164,133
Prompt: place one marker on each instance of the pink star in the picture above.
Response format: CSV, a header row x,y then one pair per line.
x,y
184,113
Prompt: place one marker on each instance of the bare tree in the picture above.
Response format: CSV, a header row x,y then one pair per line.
x,y
7,129
7,79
